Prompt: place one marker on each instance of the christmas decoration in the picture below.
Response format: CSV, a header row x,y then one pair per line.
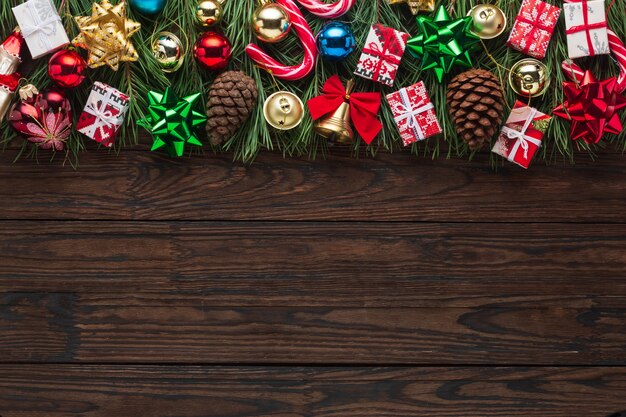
x,y
522,134
67,68
488,21
529,78
414,113
212,51
382,54
232,97
44,119
533,28
335,42
173,122
148,7
303,30
168,51
283,110
41,27
361,108
586,28
443,42
10,59
328,10
476,105
103,114
271,22
106,35
416,6
209,12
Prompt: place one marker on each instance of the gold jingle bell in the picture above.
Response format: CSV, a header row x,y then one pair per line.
x,y
271,22
168,51
529,78
336,127
209,12
488,21
283,110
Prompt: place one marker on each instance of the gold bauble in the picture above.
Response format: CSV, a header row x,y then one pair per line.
x,y
271,22
488,21
416,6
283,110
529,77
169,52
209,12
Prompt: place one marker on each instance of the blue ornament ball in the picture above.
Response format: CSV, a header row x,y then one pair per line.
x,y
335,42
148,7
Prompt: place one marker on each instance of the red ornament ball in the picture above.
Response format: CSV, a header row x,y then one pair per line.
x,y
67,68
212,51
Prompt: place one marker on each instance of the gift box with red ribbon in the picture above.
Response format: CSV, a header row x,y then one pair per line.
x,y
414,113
586,28
533,28
103,114
522,134
382,54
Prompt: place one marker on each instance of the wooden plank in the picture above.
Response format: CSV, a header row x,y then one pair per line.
x,y
258,264
65,327
398,187
104,391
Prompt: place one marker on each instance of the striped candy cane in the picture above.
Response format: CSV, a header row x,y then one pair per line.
x,y
304,32
326,10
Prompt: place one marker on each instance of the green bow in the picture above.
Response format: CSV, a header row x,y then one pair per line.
x,y
443,42
172,121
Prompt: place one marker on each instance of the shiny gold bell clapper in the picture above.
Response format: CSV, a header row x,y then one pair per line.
x,y
283,110
336,127
271,22
529,78
488,21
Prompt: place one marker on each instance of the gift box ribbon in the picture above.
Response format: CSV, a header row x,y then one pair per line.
x,y
404,112
536,24
522,139
45,28
382,54
587,27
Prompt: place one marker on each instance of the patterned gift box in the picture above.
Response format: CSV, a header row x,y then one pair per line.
x,y
103,114
522,134
533,28
382,54
414,113
586,28
41,27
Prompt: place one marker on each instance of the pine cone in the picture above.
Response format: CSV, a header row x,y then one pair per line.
x,y
232,97
476,106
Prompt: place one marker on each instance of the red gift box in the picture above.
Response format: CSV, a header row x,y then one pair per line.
x,y
533,28
522,134
414,113
103,114
382,54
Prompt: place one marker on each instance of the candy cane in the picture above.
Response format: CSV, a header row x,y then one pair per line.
x,y
303,30
326,10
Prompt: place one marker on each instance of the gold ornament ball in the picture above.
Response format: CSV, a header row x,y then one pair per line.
x,y
168,51
488,21
209,12
529,78
283,110
271,23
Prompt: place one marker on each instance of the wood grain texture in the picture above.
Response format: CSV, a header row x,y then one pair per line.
x,y
104,391
397,187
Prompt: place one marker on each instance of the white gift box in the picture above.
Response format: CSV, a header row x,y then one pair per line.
x,y
41,27
585,24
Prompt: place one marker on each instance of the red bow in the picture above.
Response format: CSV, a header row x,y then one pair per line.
x,y
363,107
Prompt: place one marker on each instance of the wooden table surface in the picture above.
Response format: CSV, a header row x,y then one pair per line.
x,y
393,286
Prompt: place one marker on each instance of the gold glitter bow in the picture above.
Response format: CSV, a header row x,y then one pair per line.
x,y
416,6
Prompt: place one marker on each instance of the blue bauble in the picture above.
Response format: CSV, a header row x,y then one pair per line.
x,y
335,41
148,7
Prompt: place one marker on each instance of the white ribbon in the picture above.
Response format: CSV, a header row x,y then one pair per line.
x,y
44,28
104,118
405,111
522,139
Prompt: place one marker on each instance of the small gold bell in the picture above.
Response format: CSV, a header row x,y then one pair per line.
x,y
336,127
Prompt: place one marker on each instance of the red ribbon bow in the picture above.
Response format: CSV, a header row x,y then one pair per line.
x,y
363,107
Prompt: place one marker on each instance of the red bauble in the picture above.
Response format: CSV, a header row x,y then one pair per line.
x,y
67,68
213,51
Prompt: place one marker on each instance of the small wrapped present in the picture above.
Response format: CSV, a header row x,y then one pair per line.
x,y
586,28
103,114
41,26
414,113
382,54
522,134
533,28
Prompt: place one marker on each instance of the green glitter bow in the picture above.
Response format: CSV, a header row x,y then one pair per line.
x,y
443,42
172,121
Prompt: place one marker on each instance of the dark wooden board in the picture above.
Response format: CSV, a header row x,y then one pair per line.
x,y
105,391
